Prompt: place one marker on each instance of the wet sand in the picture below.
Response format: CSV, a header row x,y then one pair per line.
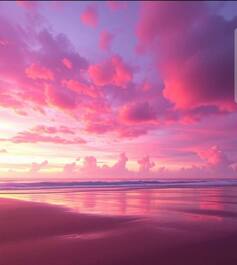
x,y
42,234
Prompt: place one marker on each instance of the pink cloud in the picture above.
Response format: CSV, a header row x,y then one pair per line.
x,y
64,99
90,16
55,48
120,128
145,164
113,71
51,50
32,137
123,72
129,121
106,39
219,166
193,49
69,169
98,117
137,112
121,163
27,87
9,100
81,88
101,74
214,156
67,63
90,162
52,130
69,92
100,127
131,131
90,168
36,167
13,79
187,46
39,72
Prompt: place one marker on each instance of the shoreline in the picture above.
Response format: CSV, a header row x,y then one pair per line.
x,y
45,234
75,186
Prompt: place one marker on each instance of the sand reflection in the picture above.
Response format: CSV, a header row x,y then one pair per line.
x,y
184,204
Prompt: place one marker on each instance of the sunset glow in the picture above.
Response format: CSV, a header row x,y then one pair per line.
x,y
117,90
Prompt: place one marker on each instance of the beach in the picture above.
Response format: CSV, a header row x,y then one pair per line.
x,y
43,233
118,132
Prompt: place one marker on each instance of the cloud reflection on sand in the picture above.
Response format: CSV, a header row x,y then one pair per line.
x,y
205,204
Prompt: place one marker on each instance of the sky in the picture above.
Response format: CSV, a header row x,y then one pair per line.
x,y
117,90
